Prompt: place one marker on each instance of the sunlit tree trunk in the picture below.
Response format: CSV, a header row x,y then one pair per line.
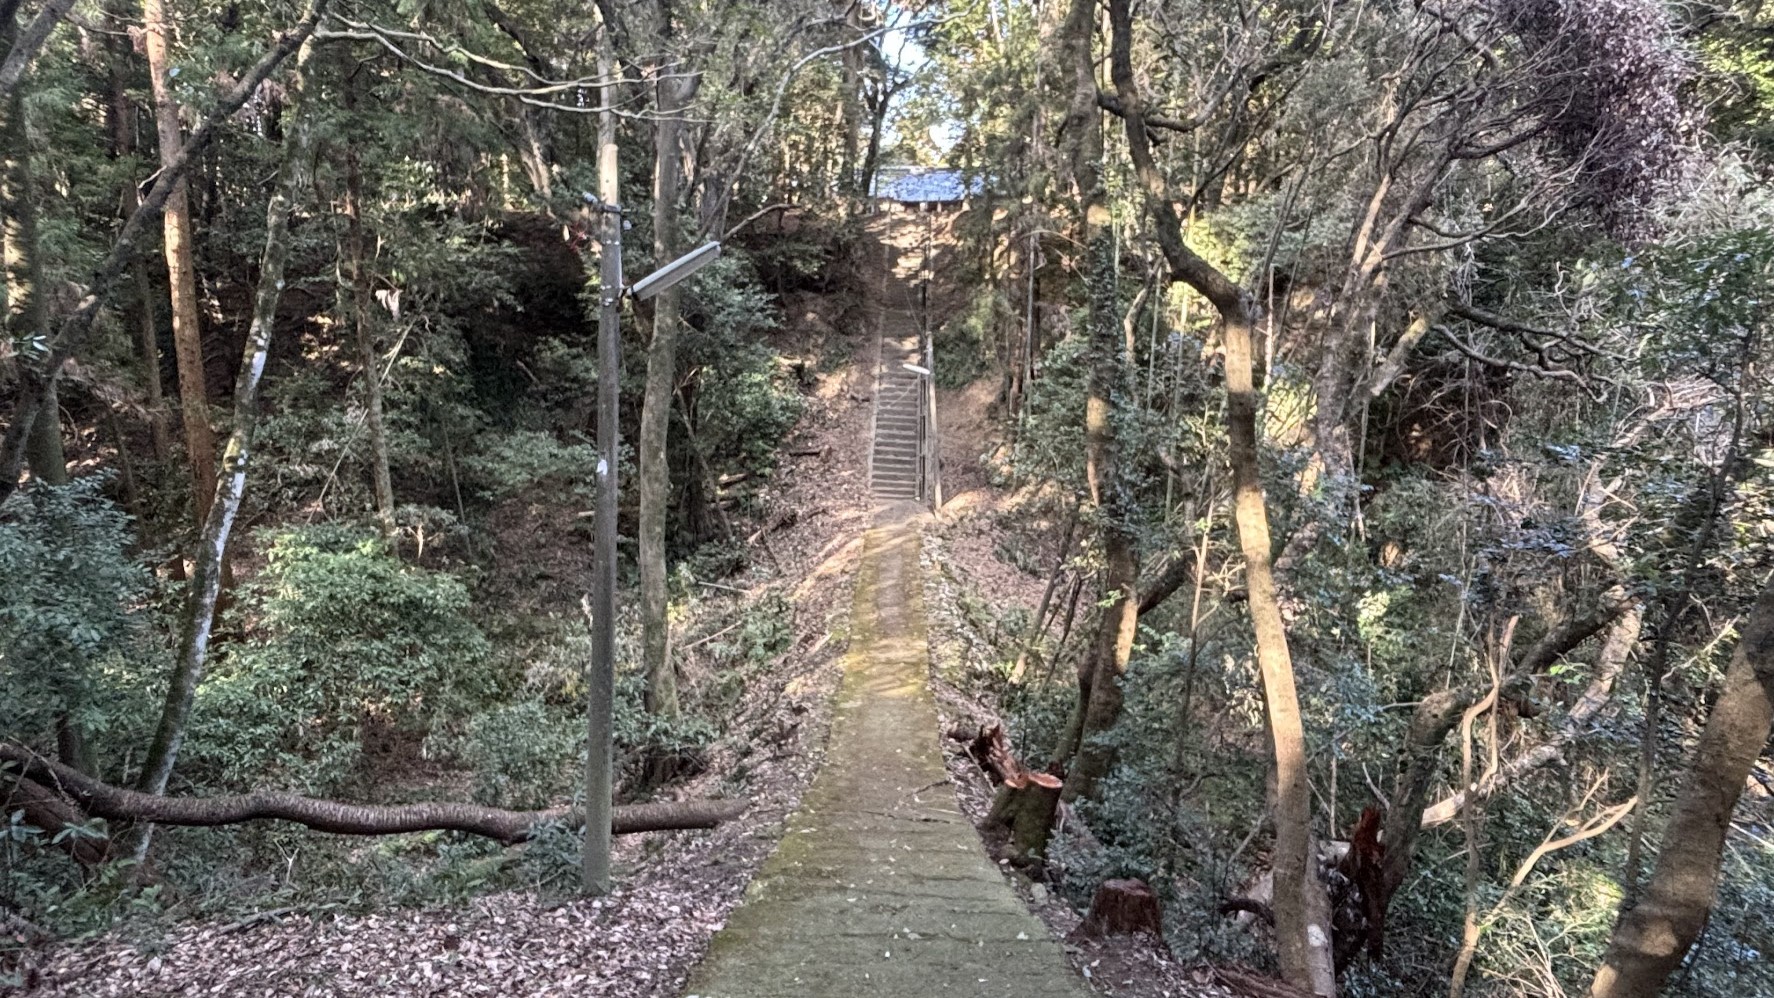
x,y
1654,935
1029,811
1301,908
206,579
1101,698
181,269
138,309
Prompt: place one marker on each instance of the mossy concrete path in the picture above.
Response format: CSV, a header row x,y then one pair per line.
x,y
880,886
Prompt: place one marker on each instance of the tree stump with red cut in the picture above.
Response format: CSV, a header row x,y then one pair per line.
x,y
1122,908
1027,799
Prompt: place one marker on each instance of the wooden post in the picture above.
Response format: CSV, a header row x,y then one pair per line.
x,y
602,608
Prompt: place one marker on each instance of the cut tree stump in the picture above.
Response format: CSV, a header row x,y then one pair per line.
x,y
1122,908
992,751
1027,800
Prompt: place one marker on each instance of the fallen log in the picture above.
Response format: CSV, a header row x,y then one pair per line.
x,y
44,808
97,799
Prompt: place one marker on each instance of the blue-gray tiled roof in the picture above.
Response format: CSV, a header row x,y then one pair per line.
x,y
926,185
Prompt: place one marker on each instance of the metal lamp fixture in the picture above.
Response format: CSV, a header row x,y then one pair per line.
x,y
676,271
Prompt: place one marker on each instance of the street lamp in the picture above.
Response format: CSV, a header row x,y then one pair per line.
x,y
669,275
599,803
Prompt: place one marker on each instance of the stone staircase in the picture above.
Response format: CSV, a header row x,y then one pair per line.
x,y
896,456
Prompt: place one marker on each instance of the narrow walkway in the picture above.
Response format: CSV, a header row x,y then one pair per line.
x,y
880,886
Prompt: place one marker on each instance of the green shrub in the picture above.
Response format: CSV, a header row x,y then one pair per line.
x,y
965,344
512,462
747,407
523,754
342,639
69,630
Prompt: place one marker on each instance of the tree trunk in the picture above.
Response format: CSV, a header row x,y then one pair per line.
x,y
1654,935
101,800
181,269
850,109
25,316
1304,942
871,158
1026,813
1302,926
1107,662
71,335
363,318
206,581
1122,907
138,311
601,670
23,45
1118,625
1084,759
45,457
654,482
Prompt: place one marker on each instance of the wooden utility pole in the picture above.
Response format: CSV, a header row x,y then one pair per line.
x,y
601,680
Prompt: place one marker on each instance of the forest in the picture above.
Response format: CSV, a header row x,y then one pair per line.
x,y
1219,498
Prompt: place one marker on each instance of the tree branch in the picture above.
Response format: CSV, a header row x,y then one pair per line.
x,y
102,800
29,41
1440,712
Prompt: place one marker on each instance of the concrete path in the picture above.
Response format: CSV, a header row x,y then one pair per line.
x,y
880,886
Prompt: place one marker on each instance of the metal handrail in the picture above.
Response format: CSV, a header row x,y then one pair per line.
x,y
929,444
